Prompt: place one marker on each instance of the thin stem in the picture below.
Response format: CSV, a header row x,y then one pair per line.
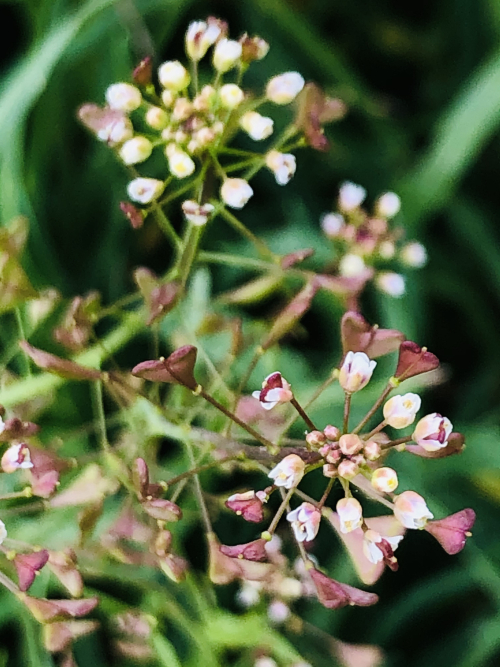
x,y
201,468
313,398
374,409
199,491
326,493
287,133
395,443
281,509
260,246
166,225
25,493
193,237
378,428
302,413
194,70
8,583
242,384
236,260
99,413
347,410
22,336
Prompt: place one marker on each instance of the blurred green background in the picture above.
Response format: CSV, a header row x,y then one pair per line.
x,y
422,82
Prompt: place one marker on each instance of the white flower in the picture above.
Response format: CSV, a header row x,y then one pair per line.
x,y
284,88
391,283
197,214
15,457
356,371
179,162
226,54
123,97
331,224
388,205
235,192
350,514
206,98
351,266
144,190
400,411
432,432
173,75
305,522
387,250
414,255
288,472
249,595
2,425
231,96
3,532
275,389
411,510
278,612
384,480
373,552
116,132
136,150
200,37
351,196
157,118
282,165
168,98
257,126
265,662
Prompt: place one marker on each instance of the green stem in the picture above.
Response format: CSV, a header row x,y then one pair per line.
x,y
199,492
99,414
260,246
201,468
22,336
166,225
374,409
281,509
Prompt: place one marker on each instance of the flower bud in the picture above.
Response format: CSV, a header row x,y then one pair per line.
x,y
157,118
116,131
411,510
332,432
123,97
253,48
144,190
275,389
351,266
200,36
226,55
28,565
278,612
143,73
133,214
256,126
162,509
388,205
350,444
391,283
284,88
168,98
283,166
3,532
330,470
315,438
136,150
372,450
231,96
331,224
197,214
305,522
356,371
414,255
183,108
350,514
400,411
351,196
265,661
387,250
16,457
179,162
205,99
288,472
173,75
432,432
235,192
205,136
384,480
348,469
178,368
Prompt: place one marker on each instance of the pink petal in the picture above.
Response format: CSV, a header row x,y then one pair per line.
x,y
27,565
452,531
360,336
255,551
334,595
455,446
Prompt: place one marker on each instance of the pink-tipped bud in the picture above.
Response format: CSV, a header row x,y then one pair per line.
x,y
372,450
288,472
350,514
28,566
432,432
332,433
275,389
356,371
411,510
348,469
330,470
350,444
400,411
315,438
384,480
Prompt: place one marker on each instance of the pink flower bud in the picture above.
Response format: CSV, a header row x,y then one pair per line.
x,y
235,192
452,531
400,411
377,548
334,595
174,567
248,505
350,514
275,389
348,469
414,360
372,450
142,74
305,522
293,258
162,510
330,470
16,457
123,97
356,371
315,438
432,432
201,35
288,472
332,432
411,510
350,444
283,165
384,480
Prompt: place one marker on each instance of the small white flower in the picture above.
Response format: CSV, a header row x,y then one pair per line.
x,y
275,389
388,205
157,118
256,126
305,522
16,457
231,96
3,532
200,37
391,283
168,98
332,224
179,162
173,75
144,190
226,55
370,541
350,514
351,196
411,510
205,136
265,662
136,150
400,411
284,88
283,166
206,98
414,255
197,214
432,432
235,192
123,97
288,472
182,109
249,593
384,480
387,250
116,132
351,266
278,611
356,371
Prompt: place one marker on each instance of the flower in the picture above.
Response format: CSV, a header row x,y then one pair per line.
x,y
377,548
414,255
432,432
123,97
256,126
144,190
116,131
411,510
197,214
350,196
356,371
305,522
372,450
350,444
231,96
278,612
136,150
350,514
283,166
200,36
391,283
15,457
3,532
284,88
388,205
384,480
156,118
226,54
248,505
331,224
346,469
351,266
253,48
235,192
173,75
400,411
179,162
275,389
288,472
